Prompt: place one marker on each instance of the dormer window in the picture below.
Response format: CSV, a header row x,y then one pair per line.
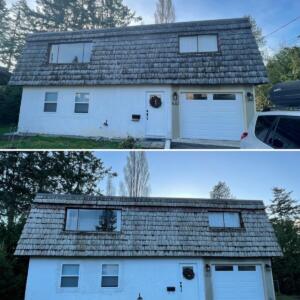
x,y
98,220
224,219
198,43
70,53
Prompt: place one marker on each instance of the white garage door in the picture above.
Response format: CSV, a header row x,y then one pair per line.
x,y
216,116
236,282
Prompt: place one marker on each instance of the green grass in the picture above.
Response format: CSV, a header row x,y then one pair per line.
x,y
44,142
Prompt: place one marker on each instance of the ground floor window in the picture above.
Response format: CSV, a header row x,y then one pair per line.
x,y
69,275
82,103
110,276
50,104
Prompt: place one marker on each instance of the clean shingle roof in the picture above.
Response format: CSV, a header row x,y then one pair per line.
x,y
147,54
160,227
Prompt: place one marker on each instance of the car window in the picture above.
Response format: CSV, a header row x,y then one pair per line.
x,y
287,134
263,126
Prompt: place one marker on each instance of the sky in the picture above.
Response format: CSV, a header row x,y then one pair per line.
x,y
269,14
250,175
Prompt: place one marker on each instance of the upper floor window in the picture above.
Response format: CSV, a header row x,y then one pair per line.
x,y
70,53
82,103
69,275
50,104
224,219
93,220
198,43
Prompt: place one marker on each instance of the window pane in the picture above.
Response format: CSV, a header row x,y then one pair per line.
x,y
87,52
224,97
224,268
263,126
287,134
109,281
70,53
69,282
82,108
82,97
188,44
110,269
216,219
50,107
70,270
191,96
51,97
207,43
53,54
89,220
232,219
72,218
247,268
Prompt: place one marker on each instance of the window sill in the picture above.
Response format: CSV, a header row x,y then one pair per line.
x,y
92,232
228,229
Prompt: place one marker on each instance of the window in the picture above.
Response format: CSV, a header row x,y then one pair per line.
x,y
247,268
224,268
224,219
110,275
198,43
82,103
263,127
50,104
224,97
69,276
287,134
70,53
98,220
192,96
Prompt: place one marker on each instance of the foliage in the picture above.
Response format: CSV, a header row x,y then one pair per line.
x,y
10,99
136,175
22,175
110,188
165,12
284,215
221,191
128,143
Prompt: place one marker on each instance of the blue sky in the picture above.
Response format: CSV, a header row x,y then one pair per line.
x,y
269,14
250,175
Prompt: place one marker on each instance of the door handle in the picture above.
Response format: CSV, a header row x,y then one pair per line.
x,y
147,114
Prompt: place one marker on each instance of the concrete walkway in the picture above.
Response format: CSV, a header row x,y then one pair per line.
x,y
203,144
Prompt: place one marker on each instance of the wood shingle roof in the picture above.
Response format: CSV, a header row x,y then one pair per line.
x,y
147,54
157,227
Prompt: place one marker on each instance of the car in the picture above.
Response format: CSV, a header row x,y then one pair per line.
x,y
273,130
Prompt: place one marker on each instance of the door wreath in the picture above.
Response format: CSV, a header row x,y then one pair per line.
x,y
155,101
188,273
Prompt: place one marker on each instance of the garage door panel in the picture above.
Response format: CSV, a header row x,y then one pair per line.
x,y
237,285
211,119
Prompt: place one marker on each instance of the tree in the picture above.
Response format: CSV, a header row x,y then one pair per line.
x,y
110,188
136,175
3,26
165,12
60,15
284,214
221,191
22,175
19,25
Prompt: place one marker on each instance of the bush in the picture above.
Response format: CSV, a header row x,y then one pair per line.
x,y
129,143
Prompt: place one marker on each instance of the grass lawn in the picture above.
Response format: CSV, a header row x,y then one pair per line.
x,y
43,142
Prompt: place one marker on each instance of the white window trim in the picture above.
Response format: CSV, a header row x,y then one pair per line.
x,y
89,102
68,289
44,102
119,287
198,35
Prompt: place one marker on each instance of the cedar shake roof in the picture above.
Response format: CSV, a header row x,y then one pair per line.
x,y
147,54
156,227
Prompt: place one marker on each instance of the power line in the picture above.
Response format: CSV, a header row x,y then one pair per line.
x,y
283,26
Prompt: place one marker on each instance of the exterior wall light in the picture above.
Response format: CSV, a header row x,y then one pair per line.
x,y
207,268
268,267
175,98
139,297
250,97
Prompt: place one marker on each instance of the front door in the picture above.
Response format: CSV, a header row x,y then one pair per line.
x,y
155,115
188,284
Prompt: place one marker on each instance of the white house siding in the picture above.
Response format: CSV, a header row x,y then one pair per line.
x,y
112,104
149,277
